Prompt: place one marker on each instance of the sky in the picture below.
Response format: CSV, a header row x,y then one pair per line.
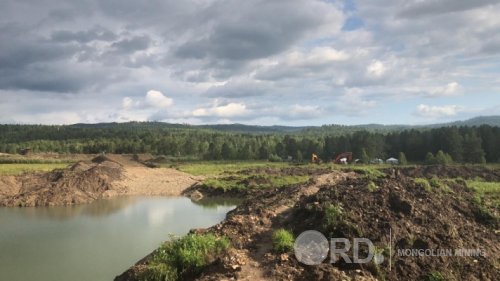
x,y
261,62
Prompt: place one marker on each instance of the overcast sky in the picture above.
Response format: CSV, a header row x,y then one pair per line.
x,y
291,62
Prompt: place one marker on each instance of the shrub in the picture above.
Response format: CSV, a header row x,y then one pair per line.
x,y
186,255
372,186
437,183
443,158
402,159
423,183
283,240
333,215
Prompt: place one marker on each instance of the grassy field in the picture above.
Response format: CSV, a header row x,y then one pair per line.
x,y
488,192
210,169
227,175
16,169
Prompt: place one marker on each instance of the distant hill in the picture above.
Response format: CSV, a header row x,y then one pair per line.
x,y
476,121
333,129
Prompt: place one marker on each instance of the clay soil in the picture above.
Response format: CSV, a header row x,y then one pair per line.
x,y
86,181
417,218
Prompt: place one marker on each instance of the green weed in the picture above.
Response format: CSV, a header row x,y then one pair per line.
x,y
181,256
333,215
372,187
423,183
283,241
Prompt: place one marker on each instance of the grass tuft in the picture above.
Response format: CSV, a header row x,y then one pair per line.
x,y
184,256
283,241
423,183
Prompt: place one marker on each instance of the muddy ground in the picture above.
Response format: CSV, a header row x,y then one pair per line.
x,y
417,218
86,181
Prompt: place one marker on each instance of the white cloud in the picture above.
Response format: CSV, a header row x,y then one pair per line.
x,y
435,112
127,102
450,89
157,99
304,111
376,69
228,110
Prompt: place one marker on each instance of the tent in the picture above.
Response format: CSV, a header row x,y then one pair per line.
x,y
392,161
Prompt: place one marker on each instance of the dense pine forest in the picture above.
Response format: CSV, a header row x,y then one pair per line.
x,y
477,144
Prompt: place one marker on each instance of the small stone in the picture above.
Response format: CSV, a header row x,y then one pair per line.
x,y
284,257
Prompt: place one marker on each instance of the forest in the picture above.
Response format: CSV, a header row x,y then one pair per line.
x,y
464,144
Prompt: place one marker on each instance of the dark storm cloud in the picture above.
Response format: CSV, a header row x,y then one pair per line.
x,y
97,33
130,45
436,7
255,29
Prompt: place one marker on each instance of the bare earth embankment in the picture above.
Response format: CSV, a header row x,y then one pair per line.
x,y
86,181
394,210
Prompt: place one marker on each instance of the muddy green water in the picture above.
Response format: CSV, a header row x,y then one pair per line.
x,y
96,241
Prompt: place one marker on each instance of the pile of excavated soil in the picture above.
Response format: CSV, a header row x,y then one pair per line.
x,y
105,176
154,181
81,183
417,218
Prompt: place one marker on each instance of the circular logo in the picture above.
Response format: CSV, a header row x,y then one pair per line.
x,y
311,247
378,258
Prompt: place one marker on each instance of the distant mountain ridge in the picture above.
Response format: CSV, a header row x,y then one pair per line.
x,y
257,129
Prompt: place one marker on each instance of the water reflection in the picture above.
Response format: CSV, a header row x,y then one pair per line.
x,y
217,202
99,208
96,241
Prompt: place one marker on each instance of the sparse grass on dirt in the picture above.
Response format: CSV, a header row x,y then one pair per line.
x,y
241,182
371,186
440,185
333,215
218,168
487,192
182,257
17,169
423,183
435,276
370,172
283,241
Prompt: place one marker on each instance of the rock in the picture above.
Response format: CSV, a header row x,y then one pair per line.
x,y
196,196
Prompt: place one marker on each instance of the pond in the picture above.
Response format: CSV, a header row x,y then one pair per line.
x,y
96,241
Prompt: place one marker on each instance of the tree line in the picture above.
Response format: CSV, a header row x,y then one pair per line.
x,y
457,144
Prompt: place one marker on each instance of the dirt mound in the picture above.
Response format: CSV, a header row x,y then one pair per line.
x,y
394,213
465,172
149,181
80,183
418,219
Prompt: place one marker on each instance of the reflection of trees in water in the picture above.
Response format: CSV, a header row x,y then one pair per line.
x,y
103,207
214,202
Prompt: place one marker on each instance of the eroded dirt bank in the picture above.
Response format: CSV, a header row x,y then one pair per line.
x,y
442,217
86,181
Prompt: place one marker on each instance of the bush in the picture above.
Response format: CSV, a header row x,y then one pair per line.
x,y
443,158
333,215
181,256
283,241
423,183
402,159
437,183
372,186
275,158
